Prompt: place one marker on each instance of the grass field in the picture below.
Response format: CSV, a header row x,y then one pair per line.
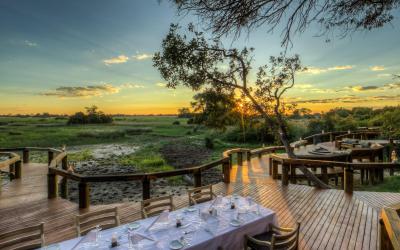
x,y
150,133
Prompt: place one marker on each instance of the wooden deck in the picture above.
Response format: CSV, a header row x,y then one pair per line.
x,y
330,218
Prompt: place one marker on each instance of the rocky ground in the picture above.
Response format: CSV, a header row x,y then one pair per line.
x,y
104,161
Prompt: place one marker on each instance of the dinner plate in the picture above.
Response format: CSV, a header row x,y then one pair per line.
x,y
133,226
235,223
190,209
175,245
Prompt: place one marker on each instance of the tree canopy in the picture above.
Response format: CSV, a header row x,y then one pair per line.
x,y
343,16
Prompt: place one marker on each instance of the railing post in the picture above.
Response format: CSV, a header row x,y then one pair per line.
x,y
18,170
11,169
274,170
348,180
230,160
145,187
293,174
226,171
25,155
285,174
314,139
197,178
248,156
330,137
84,194
240,158
324,172
270,160
50,156
64,181
51,185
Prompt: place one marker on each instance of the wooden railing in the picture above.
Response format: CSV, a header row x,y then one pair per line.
x,y
289,165
338,135
13,162
145,178
390,227
25,152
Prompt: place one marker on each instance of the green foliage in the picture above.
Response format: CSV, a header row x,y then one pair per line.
x,y
215,108
138,131
184,113
147,159
92,116
82,155
176,123
390,184
209,143
115,134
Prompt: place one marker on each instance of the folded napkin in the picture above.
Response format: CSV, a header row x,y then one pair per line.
x,y
163,218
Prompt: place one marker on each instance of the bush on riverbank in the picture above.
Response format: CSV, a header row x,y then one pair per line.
x,y
92,116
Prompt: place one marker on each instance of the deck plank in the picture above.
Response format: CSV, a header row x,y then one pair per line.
x,y
330,219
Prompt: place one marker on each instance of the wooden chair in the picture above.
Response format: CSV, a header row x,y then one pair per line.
x,y
22,239
157,205
106,218
275,238
201,194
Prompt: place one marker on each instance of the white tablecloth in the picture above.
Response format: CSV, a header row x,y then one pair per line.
x,y
215,232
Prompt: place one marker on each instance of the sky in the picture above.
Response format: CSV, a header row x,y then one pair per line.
x,y
59,56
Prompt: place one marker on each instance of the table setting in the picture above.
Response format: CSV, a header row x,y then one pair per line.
x,y
221,222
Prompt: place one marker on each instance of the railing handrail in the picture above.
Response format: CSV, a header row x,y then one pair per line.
x,y
390,227
13,159
323,163
129,177
31,149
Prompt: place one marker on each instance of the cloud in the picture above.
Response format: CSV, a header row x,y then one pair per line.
x,y
161,84
359,88
132,86
349,99
30,43
364,88
143,56
377,68
83,91
342,67
316,70
116,60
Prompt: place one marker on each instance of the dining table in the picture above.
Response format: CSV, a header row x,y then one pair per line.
x,y
221,223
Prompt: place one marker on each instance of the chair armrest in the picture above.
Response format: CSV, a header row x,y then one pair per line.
x,y
283,229
257,242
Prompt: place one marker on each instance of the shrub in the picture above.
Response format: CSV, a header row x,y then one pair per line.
x,y
102,134
209,143
176,123
92,117
138,131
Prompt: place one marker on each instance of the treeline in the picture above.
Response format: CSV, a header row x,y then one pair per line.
x,y
341,119
237,121
92,116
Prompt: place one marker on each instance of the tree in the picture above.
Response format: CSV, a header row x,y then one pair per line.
x,y
214,108
184,113
346,16
195,62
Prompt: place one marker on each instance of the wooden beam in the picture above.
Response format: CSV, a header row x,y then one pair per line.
x,y
348,180
84,195
52,185
25,155
18,170
145,188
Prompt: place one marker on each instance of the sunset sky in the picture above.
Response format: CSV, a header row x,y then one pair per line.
x,y
60,56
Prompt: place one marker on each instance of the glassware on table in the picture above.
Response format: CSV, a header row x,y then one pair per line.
x,y
133,242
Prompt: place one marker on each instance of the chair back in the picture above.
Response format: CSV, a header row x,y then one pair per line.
x,y
106,218
285,238
200,194
25,238
157,205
